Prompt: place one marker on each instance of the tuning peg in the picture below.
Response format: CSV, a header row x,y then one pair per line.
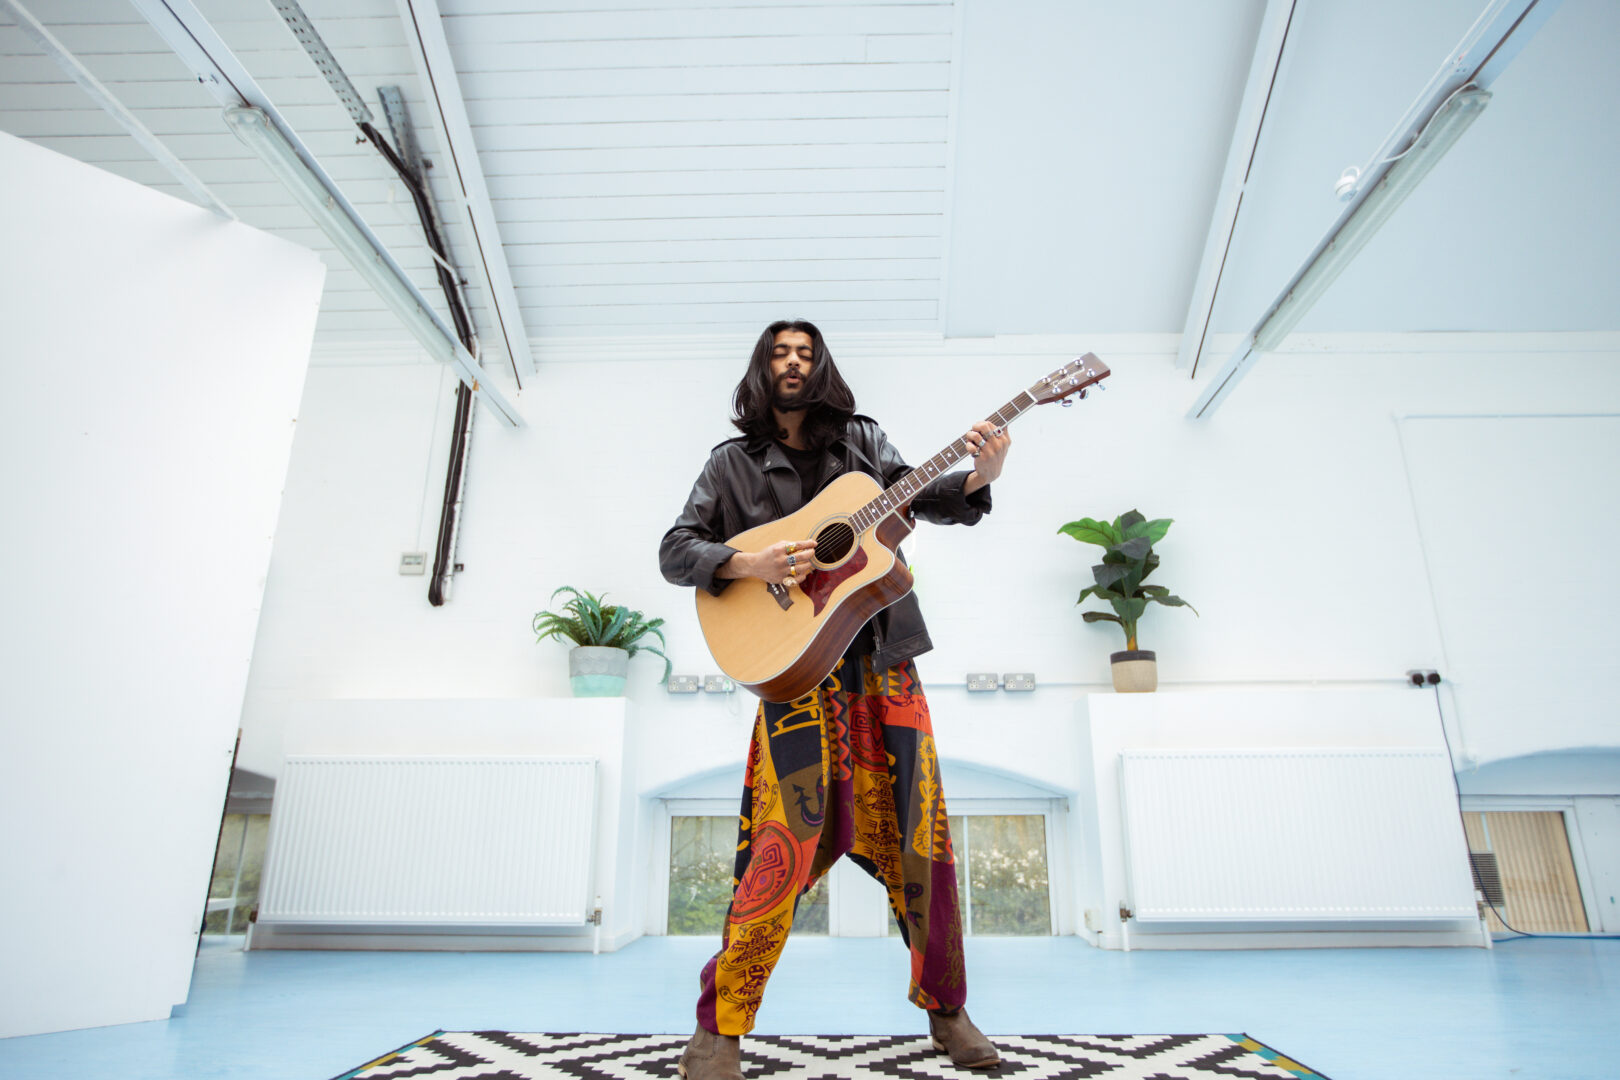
x,y
1066,402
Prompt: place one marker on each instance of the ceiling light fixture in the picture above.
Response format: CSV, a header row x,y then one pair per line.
x,y
254,118
1453,98
1385,197
257,132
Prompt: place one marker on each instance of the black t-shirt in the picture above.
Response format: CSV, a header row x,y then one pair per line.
x,y
807,463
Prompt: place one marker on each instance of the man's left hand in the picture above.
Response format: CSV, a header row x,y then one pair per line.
x,y
989,445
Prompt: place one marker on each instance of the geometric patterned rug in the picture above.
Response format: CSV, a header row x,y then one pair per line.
x,y
505,1055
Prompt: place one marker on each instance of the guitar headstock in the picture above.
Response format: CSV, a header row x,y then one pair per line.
x,y
1073,378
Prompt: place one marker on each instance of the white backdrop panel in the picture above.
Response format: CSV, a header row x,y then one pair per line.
x,y
1517,514
155,355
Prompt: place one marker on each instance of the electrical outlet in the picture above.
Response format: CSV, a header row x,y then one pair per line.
x,y
980,681
1019,681
718,684
413,562
683,684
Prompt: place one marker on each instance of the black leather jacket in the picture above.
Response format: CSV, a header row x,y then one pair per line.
x,y
748,481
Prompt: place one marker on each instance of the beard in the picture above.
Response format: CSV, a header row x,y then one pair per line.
x,y
786,401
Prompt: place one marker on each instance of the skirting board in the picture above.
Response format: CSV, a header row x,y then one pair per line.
x,y
571,940
1316,939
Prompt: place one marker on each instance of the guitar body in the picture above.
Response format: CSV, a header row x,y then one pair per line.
x,y
781,643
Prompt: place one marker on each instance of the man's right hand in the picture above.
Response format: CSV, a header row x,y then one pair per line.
x,y
783,563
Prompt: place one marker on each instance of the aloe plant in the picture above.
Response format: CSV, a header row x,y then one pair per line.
x,y
1128,558
586,620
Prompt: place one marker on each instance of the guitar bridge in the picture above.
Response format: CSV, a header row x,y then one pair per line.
x,y
782,594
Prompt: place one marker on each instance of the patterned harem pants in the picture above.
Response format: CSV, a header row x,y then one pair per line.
x,y
850,768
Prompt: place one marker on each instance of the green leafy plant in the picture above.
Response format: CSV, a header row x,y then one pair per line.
x,y
586,620
1128,558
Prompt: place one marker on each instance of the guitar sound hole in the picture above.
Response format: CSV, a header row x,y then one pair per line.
x,y
834,542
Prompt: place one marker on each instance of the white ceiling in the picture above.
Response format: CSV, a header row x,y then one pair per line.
x,y
983,167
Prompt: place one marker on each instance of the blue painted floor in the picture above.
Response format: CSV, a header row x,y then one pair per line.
x,y
1544,1009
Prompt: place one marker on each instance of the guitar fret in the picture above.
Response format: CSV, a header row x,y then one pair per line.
x,y
902,491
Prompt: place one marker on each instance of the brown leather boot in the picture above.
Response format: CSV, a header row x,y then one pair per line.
x,y
711,1057
956,1036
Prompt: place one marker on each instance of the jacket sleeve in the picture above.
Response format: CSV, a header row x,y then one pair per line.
x,y
692,551
941,502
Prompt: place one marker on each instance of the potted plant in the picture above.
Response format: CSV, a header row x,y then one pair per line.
x,y
1128,558
606,637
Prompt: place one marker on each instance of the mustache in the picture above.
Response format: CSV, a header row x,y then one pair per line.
x,y
781,399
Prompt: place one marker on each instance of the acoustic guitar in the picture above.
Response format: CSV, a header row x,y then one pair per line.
x,y
781,642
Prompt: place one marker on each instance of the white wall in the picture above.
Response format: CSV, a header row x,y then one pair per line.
x,y
1295,533
154,358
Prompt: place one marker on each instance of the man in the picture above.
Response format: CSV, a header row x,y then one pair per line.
x,y
850,768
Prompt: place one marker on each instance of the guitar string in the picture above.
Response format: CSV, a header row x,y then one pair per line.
x,y
908,486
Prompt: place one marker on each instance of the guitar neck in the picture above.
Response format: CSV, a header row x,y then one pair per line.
x,y
902,491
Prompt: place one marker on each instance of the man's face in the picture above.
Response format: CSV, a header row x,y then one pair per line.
x,y
790,366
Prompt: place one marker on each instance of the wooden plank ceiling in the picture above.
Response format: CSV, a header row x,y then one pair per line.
x,y
695,168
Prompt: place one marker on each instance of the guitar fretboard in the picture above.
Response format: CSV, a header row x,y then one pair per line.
x,y
908,486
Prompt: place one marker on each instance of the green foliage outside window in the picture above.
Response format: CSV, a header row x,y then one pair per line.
x,y
1007,874
241,848
1001,877
702,853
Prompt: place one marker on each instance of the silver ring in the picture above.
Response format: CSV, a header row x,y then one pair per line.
x,y
792,561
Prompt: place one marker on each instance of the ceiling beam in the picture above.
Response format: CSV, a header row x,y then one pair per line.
x,y
424,30
115,108
1268,50
219,71
1497,36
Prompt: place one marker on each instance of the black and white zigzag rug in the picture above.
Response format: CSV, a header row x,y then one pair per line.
x,y
507,1055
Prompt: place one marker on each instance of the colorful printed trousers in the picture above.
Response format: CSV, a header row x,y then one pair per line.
x,y
848,769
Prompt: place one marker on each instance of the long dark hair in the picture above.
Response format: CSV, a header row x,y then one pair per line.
x,y
829,402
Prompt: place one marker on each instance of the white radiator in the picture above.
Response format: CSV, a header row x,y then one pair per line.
x,y
431,841
1285,835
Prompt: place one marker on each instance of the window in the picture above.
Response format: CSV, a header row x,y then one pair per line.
x,y
238,859
1001,874
702,854
1007,888
1539,889
1007,838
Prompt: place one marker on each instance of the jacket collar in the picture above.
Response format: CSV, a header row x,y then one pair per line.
x,y
769,453
782,478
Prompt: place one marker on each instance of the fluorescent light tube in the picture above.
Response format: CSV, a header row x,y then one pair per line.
x,y
259,134
1386,195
